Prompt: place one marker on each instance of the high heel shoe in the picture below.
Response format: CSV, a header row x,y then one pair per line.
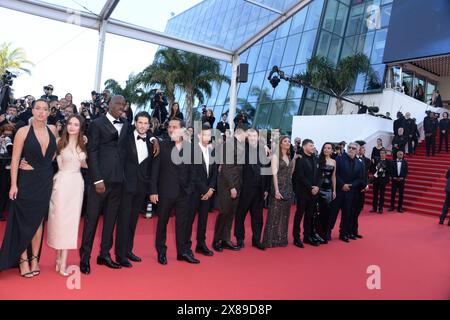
x,y
58,265
28,274
35,272
62,271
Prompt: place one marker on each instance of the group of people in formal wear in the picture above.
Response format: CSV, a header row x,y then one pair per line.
x,y
128,164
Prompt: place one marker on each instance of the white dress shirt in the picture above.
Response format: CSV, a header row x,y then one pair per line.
x,y
141,147
399,167
205,152
118,126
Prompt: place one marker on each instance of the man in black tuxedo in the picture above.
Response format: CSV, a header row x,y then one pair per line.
x,y
205,173
430,126
381,169
447,200
106,154
349,180
229,187
410,131
307,181
399,142
223,125
399,172
172,187
399,123
255,189
360,197
138,164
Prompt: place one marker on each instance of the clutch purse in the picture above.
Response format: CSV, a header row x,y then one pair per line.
x,y
287,196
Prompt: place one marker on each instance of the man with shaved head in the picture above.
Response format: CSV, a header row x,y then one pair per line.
x,y
106,139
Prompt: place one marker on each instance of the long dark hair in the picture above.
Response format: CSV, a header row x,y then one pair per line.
x,y
288,152
322,157
172,113
64,141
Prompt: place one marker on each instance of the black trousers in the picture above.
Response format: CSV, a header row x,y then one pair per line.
x,y
253,200
416,143
400,186
446,207
379,190
107,203
305,209
202,207
225,218
430,143
343,203
443,138
410,145
357,208
127,221
182,205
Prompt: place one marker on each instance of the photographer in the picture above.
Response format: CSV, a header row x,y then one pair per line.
x,y
10,117
55,113
6,95
48,93
241,118
208,117
6,145
158,105
175,112
98,104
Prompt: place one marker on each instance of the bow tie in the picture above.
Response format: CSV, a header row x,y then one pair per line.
x,y
399,161
118,121
141,138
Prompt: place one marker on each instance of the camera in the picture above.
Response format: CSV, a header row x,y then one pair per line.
x,y
204,110
7,78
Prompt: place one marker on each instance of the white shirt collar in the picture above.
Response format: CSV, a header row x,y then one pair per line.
x,y
110,118
136,134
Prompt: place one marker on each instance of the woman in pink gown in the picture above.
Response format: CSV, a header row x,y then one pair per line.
x,y
67,196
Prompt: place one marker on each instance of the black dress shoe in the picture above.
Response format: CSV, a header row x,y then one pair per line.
x,y
299,244
343,238
352,237
373,210
259,245
188,258
441,221
318,238
401,210
240,244
217,246
162,259
380,211
311,241
124,263
230,246
108,263
131,256
204,250
391,209
358,236
85,268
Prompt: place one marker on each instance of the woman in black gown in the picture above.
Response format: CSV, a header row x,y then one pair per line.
x,y
327,190
30,192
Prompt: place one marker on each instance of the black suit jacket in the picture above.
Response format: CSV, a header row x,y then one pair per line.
x,y
137,176
447,188
399,123
230,176
251,172
106,150
170,179
367,163
430,126
307,175
203,180
403,170
223,127
346,175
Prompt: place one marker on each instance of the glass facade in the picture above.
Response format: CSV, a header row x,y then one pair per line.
x,y
331,28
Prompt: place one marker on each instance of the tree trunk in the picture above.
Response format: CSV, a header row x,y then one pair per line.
x,y
189,105
339,106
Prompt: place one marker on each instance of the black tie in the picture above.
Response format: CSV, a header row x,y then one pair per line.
x,y
118,122
141,138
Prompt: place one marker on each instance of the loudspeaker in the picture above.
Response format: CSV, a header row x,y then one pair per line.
x,y
242,72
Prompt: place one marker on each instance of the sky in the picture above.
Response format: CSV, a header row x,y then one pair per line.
x,y
65,55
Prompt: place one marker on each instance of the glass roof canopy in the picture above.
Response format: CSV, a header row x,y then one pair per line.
x,y
134,19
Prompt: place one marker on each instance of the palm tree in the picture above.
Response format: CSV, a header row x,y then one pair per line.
x,y
337,80
132,91
164,71
192,73
13,59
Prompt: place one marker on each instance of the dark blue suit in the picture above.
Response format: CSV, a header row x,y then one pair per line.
x,y
348,171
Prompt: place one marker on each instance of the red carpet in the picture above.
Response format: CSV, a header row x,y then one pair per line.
x,y
425,184
411,250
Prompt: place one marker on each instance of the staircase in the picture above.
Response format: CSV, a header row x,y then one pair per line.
x,y
425,184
